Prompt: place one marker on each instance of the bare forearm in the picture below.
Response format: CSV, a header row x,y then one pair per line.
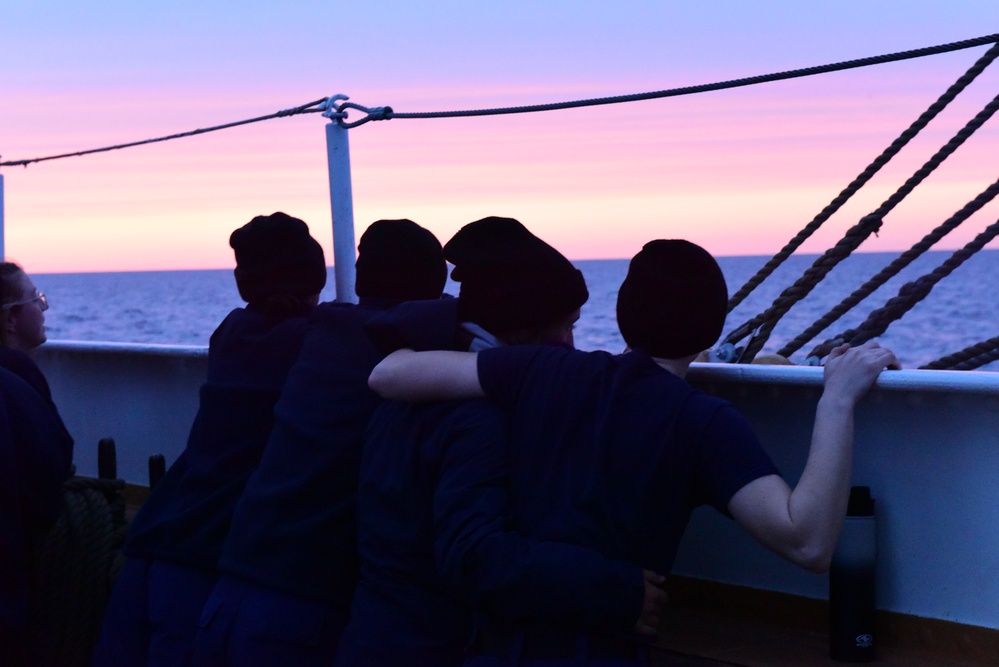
x,y
818,502
426,376
803,524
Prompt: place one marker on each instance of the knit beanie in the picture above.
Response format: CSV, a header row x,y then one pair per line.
x,y
510,279
276,256
673,301
400,261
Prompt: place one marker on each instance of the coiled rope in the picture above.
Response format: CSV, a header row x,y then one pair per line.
x,y
75,566
931,112
763,324
908,296
970,358
891,270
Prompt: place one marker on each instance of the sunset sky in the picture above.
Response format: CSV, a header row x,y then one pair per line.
x,y
738,171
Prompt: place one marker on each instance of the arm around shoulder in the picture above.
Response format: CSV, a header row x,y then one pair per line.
x,y
406,375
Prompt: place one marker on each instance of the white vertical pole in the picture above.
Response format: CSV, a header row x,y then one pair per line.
x,y
3,255
342,205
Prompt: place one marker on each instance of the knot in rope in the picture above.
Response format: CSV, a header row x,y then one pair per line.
x,y
869,224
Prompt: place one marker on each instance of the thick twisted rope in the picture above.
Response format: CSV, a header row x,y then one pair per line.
x,y
765,322
908,296
931,112
891,270
970,358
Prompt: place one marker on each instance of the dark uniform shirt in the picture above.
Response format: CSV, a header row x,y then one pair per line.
x,y
295,527
613,452
436,542
187,516
36,455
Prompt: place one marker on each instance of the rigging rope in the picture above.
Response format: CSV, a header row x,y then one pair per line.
x,y
908,296
387,113
311,107
892,269
866,175
970,358
764,323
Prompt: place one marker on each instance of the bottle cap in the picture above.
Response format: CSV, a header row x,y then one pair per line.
x,y
861,503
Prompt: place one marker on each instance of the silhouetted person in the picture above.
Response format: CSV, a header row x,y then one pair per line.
x,y
290,562
36,456
174,542
435,538
615,451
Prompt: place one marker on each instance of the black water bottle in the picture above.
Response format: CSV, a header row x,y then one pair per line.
x,y
852,582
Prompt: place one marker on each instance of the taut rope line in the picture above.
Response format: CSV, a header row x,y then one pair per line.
x,y
908,296
765,322
892,269
387,113
931,112
970,358
311,107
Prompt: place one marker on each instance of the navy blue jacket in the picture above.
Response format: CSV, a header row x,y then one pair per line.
x,y
435,538
187,516
295,528
613,452
36,455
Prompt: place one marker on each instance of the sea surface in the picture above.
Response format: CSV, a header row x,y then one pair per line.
x,y
184,307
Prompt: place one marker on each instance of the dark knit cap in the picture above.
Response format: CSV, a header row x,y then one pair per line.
x,y
673,301
400,261
510,279
276,256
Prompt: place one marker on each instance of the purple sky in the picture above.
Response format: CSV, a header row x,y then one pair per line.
x,y
738,171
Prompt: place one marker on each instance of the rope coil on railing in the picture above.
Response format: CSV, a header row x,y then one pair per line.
x,y
908,296
765,322
74,566
970,358
891,270
931,112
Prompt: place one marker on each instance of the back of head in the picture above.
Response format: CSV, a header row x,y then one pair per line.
x,y
673,302
510,279
397,260
277,261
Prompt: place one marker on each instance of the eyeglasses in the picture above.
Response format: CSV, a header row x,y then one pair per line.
x,y
43,303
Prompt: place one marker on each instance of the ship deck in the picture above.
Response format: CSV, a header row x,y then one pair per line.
x,y
719,625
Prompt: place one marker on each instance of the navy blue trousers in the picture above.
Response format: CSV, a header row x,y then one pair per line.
x,y
245,625
152,616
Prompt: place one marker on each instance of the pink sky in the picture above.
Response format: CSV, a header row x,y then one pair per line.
x,y
738,171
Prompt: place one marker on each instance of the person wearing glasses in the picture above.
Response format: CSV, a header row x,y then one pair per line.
x,y
36,454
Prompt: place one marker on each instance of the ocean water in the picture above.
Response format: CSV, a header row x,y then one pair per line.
x,y
184,307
